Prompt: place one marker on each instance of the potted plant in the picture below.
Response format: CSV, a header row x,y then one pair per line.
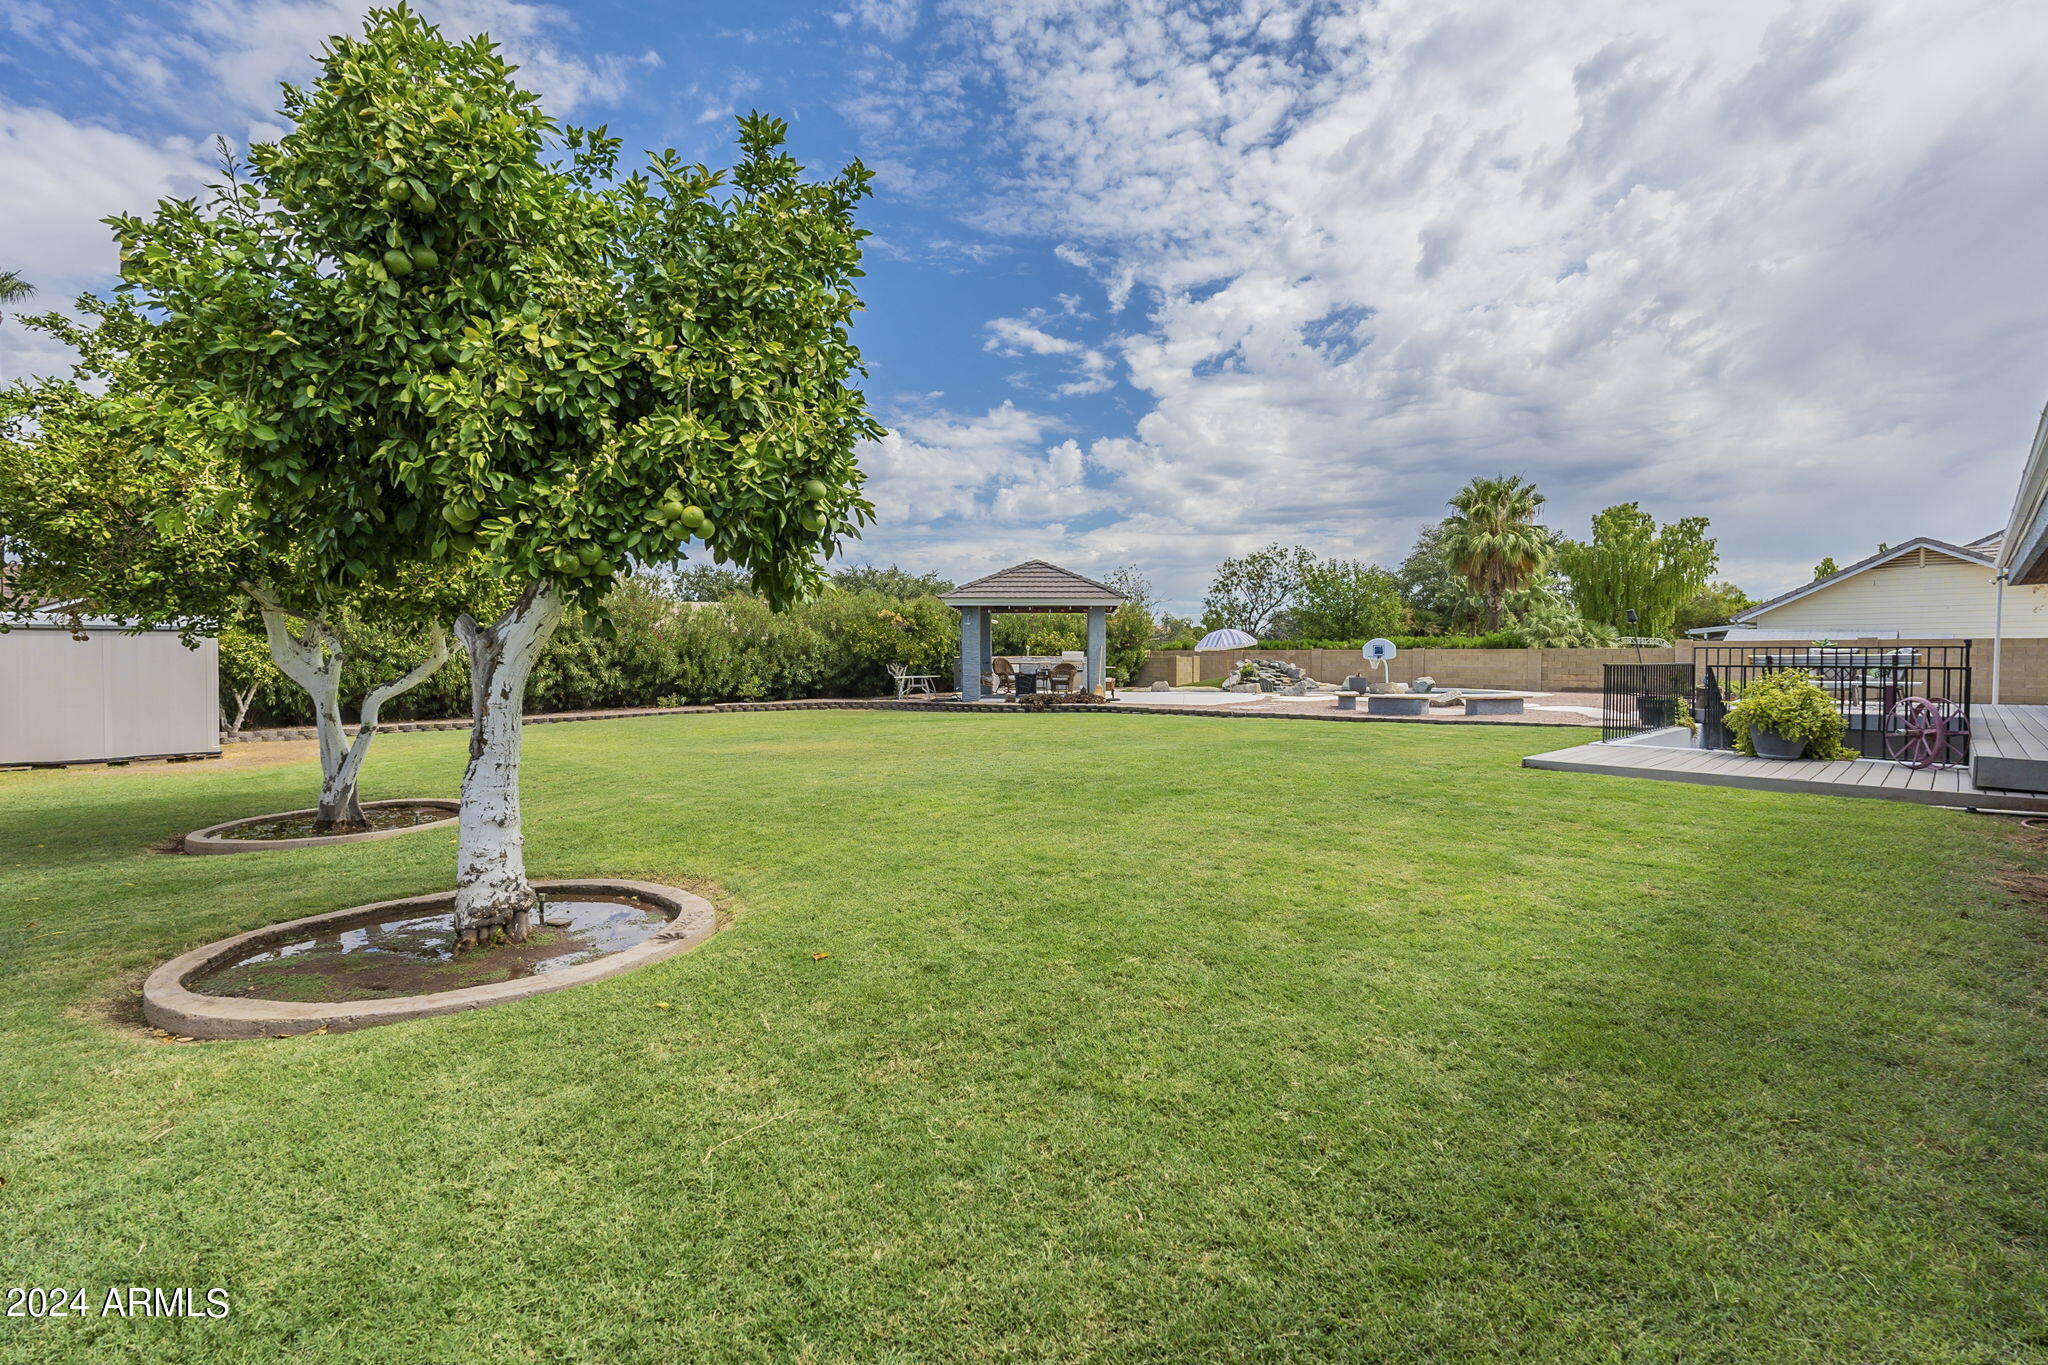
x,y
1657,709
1784,715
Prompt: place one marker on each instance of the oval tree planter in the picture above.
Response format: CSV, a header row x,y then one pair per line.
x,y
167,1005
216,838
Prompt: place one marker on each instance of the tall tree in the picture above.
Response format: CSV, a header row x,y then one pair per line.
x,y
1250,590
430,322
1346,599
891,581
1128,633
1714,605
1631,563
1493,541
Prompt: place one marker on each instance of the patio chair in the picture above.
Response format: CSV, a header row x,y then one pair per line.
x,y
1005,675
1061,676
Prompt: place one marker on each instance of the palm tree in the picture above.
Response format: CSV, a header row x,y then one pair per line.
x,y
1494,542
13,288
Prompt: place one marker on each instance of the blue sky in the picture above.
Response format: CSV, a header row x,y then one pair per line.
x,y
1154,283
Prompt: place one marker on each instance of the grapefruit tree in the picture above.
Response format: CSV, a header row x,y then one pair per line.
x,y
108,515
428,322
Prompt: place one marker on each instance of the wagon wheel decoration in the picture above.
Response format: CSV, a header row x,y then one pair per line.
x,y
1921,741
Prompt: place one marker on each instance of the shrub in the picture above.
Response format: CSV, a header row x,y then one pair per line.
x,y
661,648
1045,701
1789,703
1499,639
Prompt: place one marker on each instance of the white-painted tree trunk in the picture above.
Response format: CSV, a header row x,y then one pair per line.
x,y
492,896
345,776
312,658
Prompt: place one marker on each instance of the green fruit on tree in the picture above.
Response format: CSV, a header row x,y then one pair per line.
x,y
814,521
423,203
567,564
425,257
693,517
396,190
589,555
815,490
671,510
397,264
705,531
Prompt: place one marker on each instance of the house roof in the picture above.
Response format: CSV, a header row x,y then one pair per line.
x,y
2023,557
1982,550
1034,583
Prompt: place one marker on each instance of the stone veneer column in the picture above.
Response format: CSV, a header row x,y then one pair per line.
x,y
987,655
1098,647
972,623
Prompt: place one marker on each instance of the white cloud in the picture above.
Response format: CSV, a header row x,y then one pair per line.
x,y
250,45
1777,266
892,19
1090,368
62,177
211,66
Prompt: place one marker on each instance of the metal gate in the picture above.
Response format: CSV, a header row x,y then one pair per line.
x,y
1640,697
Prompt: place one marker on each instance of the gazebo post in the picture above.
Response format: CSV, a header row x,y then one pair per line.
x,y
987,654
972,622
1098,646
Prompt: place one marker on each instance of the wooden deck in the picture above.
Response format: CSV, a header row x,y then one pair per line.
x,y
1716,768
2009,748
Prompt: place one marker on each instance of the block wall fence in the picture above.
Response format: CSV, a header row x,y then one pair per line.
x,y
2025,670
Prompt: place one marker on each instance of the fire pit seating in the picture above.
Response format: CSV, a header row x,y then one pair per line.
x,y
1493,706
1397,704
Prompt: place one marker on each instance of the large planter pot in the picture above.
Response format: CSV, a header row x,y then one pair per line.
x,y
1768,745
1657,710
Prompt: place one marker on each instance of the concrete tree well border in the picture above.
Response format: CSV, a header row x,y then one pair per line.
x,y
168,1005
215,839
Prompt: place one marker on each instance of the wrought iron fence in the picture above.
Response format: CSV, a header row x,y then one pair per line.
x,y
1639,697
1870,684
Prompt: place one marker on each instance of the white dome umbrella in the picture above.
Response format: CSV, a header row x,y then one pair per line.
x,y
1226,639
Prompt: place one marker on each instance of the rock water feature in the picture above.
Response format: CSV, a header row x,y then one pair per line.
x,y
1273,675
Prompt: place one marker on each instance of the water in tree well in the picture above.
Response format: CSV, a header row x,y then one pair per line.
x,y
413,954
301,826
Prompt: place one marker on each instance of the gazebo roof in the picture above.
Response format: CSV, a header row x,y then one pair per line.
x,y
1034,583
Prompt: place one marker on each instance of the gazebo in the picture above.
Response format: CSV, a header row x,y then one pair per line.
x,y
1033,586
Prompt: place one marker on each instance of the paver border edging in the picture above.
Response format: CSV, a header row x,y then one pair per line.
x,y
209,840
168,1005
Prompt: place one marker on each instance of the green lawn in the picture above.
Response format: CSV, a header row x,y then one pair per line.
x,y
1137,1039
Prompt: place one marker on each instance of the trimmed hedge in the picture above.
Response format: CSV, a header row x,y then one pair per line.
x,y
1499,639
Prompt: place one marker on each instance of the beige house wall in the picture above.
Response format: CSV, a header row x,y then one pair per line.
x,y
1926,593
1571,670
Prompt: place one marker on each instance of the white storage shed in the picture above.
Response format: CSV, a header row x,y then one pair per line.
x,y
110,696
